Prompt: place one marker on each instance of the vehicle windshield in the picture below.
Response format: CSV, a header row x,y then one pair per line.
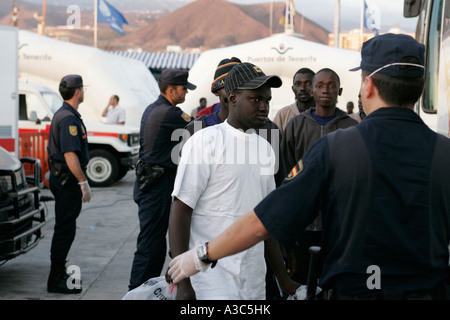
x,y
53,100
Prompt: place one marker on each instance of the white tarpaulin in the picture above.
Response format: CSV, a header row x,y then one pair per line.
x,y
283,55
44,61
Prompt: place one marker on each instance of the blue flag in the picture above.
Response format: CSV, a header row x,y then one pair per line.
x,y
372,17
108,14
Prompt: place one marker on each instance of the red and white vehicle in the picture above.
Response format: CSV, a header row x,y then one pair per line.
x,y
113,149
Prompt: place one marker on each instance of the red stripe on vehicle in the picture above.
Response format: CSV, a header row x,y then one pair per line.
x,y
103,134
8,144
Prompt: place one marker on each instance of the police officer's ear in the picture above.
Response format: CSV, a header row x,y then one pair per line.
x,y
368,87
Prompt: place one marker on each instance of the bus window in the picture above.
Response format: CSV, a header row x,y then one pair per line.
x,y
430,96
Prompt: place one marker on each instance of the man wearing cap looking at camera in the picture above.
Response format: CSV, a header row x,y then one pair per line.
x,y
69,155
383,187
217,182
156,173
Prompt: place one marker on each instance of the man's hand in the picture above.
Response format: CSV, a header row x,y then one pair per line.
x,y
86,190
185,265
290,262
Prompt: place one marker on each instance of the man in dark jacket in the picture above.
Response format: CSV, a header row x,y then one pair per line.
x,y
305,129
383,187
300,134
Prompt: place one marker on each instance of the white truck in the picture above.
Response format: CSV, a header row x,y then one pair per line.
x,y
113,149
22,213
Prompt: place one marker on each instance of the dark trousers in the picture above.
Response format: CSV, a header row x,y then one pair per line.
x,y
67,210
154,210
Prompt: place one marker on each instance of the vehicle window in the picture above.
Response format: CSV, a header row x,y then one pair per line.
x,y
34,104
23,107
53,100
430,96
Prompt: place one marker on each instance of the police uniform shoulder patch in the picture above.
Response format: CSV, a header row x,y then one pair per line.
x,y
73,130
295,170
186,117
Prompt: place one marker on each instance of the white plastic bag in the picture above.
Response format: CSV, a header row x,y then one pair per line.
x,y
301,293
153,289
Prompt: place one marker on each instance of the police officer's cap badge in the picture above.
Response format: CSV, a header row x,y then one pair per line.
x,y
73,130
295,170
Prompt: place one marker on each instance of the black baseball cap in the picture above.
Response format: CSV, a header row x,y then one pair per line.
x,y
176,77
248,76
71,81
384,53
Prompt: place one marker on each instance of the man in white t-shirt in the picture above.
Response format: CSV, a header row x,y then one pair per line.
x,y
227,169
114,113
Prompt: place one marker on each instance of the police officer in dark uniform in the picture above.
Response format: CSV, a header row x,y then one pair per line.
x,y
382,185
155,173
68,157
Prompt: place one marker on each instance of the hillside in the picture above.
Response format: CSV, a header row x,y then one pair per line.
x,y
215,23
203,24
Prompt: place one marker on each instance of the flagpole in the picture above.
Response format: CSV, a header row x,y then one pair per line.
x,y
361,30
289,18
302,23
337,9
271,17
95,22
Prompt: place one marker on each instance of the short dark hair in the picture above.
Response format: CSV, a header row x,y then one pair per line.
x,y
163,86
329,71
117,98
303,70
398,91
67,93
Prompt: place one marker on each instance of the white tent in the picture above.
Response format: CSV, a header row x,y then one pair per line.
x,y
283,55
44,61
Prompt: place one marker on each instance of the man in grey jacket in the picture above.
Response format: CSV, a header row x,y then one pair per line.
x,y
302,88
300,134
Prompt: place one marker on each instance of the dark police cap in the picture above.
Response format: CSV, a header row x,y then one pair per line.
x,y
176,77
384,54
71,81
248,76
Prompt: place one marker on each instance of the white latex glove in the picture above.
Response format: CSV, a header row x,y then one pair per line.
x,y
86,190
185,265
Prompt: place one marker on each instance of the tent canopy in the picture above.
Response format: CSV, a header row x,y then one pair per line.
x,y
162,60
283,55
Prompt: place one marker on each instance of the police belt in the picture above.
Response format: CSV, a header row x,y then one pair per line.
x,y
441,292
61,171
147,174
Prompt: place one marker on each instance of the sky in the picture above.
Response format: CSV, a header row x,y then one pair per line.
x,y
322,12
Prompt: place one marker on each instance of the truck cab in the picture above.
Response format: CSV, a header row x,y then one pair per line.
x,y
113,149
22,214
